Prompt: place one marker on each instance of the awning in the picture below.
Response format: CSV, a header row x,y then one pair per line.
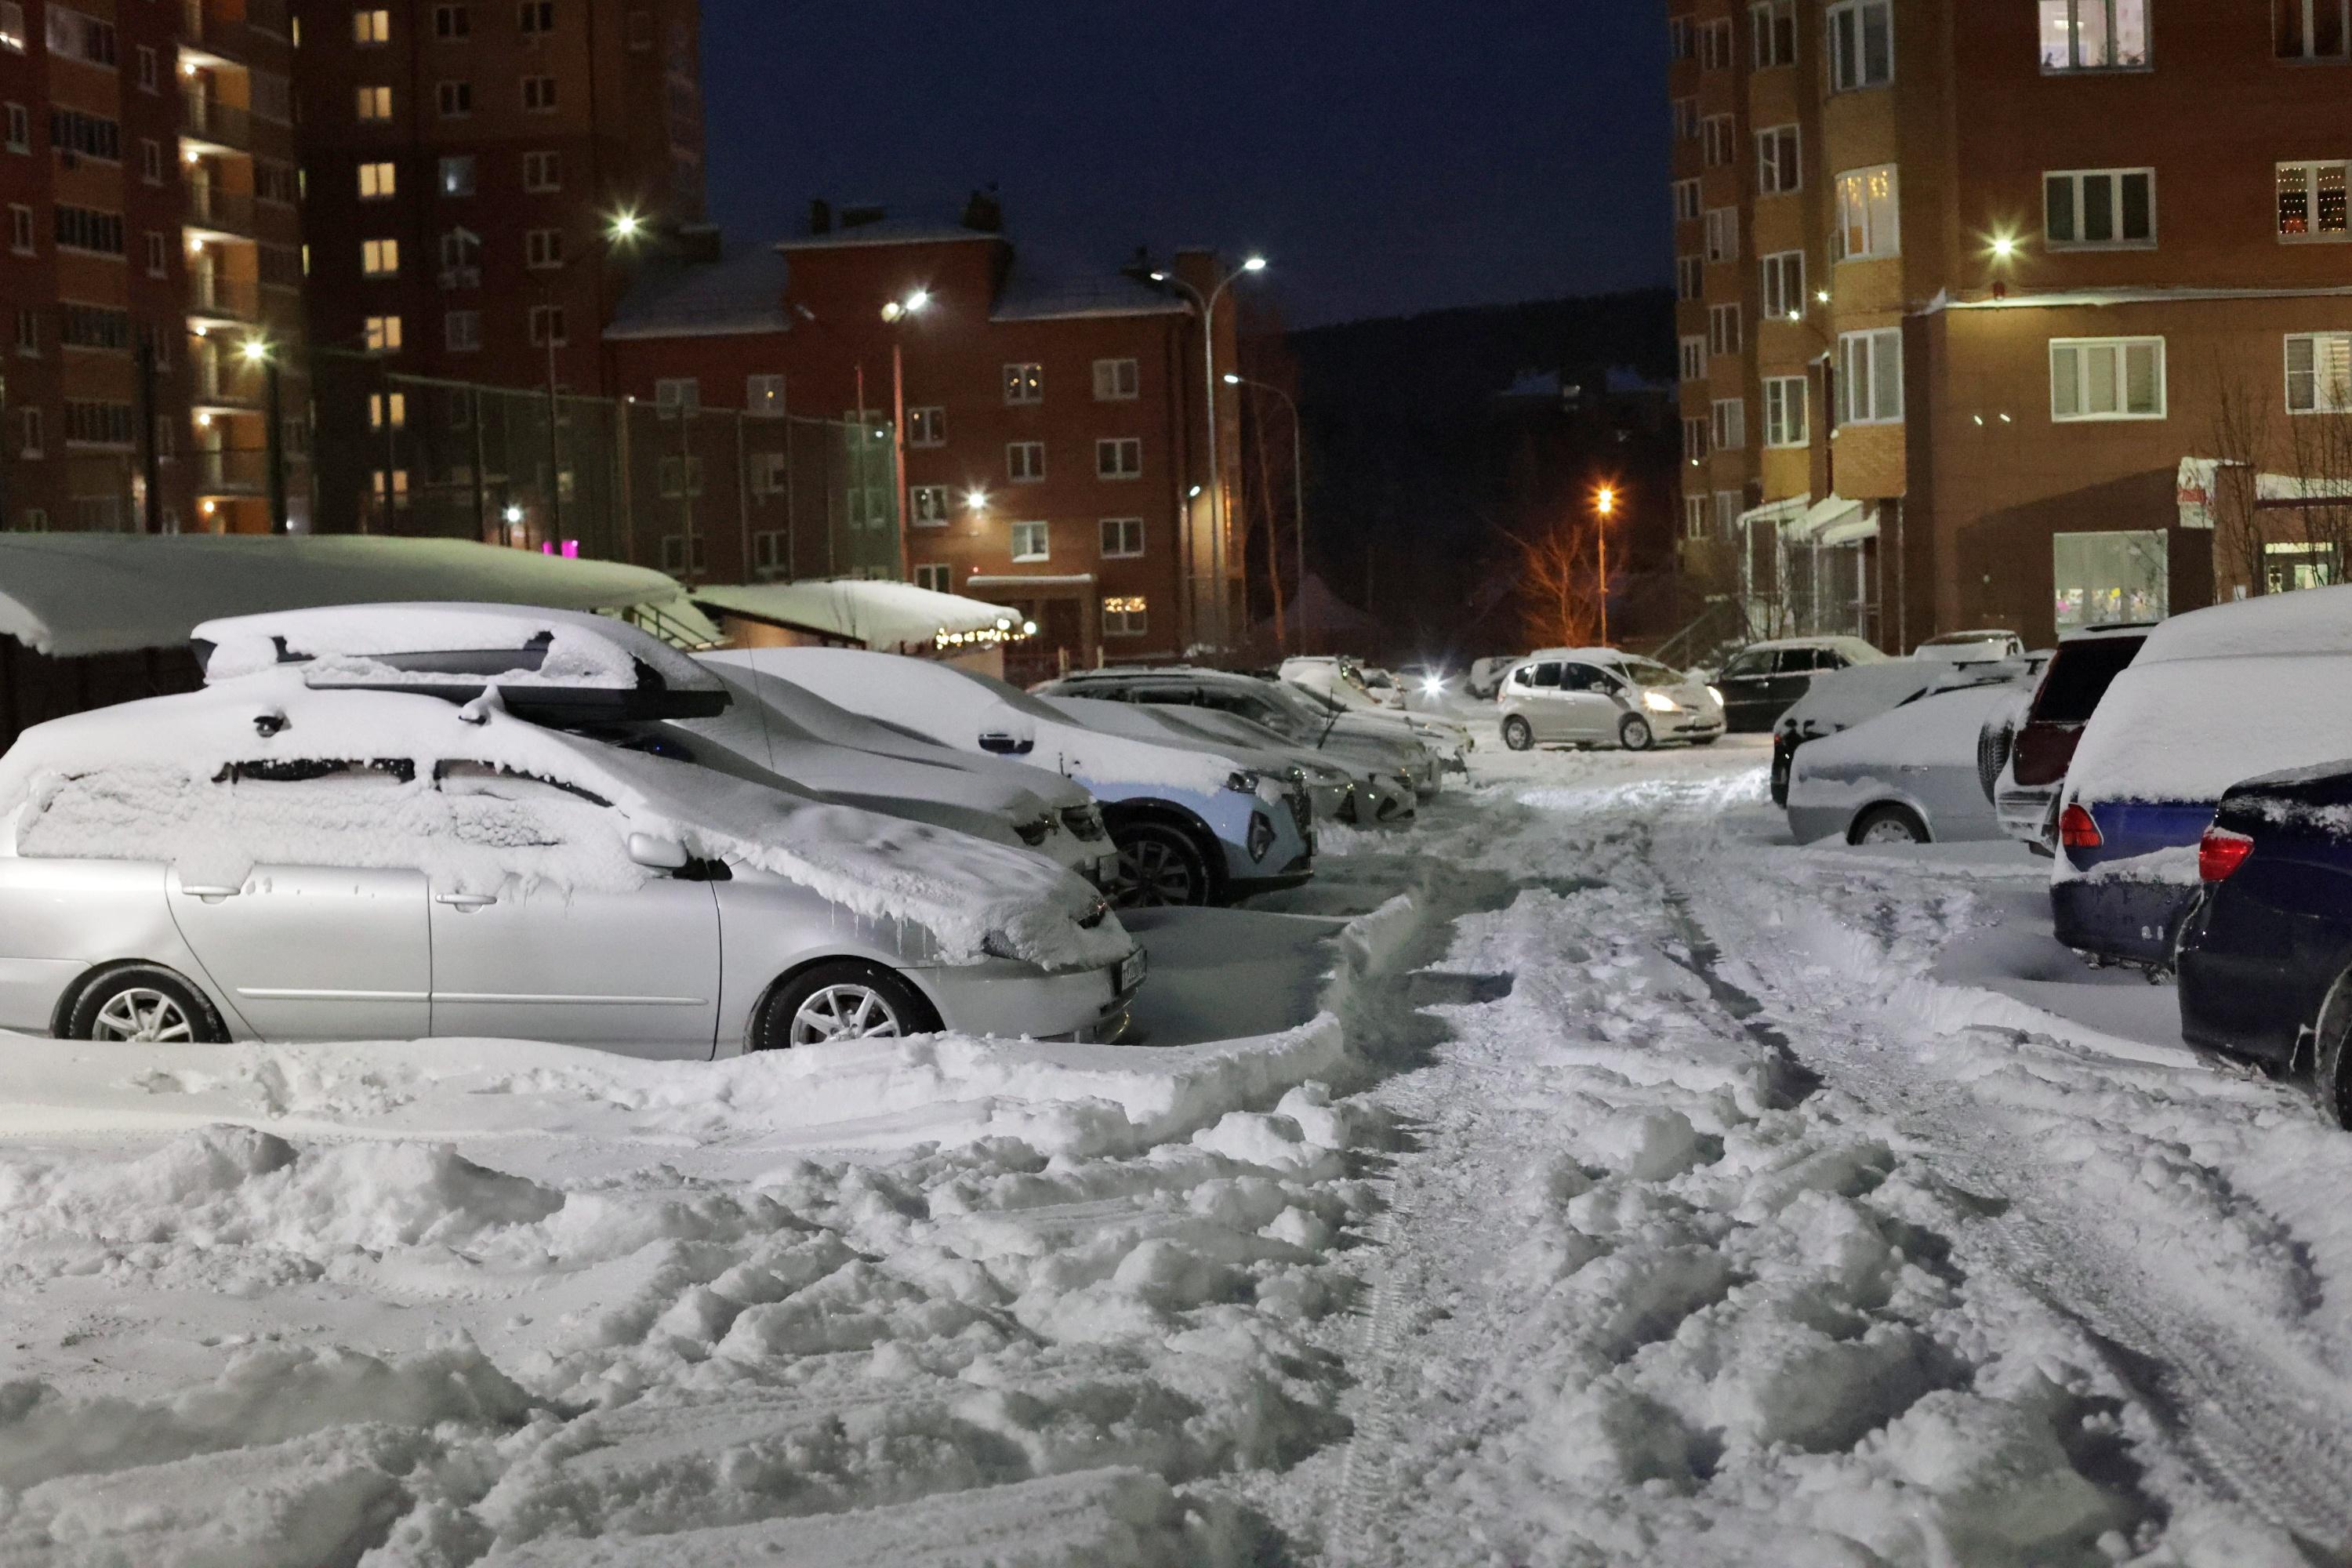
x,y
1852,531
1834,513
1776,510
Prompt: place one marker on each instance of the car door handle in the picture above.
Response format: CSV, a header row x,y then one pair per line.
x,y
465,900
210,895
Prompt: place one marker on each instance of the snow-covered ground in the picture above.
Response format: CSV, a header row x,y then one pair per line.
x,y
1583,1176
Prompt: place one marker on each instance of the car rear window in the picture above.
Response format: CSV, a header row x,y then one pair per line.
x,y
2079,675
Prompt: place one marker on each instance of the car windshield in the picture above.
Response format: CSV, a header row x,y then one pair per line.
x,y
2079,675
1650,672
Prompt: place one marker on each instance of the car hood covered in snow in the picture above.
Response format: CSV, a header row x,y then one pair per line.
x,y
141,782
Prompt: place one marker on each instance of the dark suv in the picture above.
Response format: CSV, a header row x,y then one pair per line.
x,y
2025,774
1763,680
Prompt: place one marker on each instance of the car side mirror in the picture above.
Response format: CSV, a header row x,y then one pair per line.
x,y
1004,745
656,853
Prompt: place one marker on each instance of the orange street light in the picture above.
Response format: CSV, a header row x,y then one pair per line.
x,y
1604,503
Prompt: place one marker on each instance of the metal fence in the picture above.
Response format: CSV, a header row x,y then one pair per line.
x,y
706,495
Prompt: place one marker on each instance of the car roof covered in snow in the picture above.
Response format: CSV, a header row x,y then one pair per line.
x,y
551,647
2313,620
1859,647
887,617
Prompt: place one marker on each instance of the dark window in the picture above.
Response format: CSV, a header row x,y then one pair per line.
x,y
1548,675
2079,675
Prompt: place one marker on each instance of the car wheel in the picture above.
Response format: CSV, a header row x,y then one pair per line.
x,y
1634,733
846,1000
1887,824
2331,1071
147,1005
1158,865
1517,734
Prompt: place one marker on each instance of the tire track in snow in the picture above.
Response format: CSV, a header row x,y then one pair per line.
x,y
2238,1407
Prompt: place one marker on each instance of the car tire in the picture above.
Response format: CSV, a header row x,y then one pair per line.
x,y
1634,733
1888,825
146,1004
842,999
1160,866
1518,734
2331,1068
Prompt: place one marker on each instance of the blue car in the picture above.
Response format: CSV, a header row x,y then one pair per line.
x,y
2266,958
2132,883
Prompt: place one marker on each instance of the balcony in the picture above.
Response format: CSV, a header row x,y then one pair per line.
x,y
216,211
236,471
212,299
216,125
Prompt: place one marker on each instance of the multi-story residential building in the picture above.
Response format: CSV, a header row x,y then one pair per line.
x,y
149,268
1054,452
477,174
2023,315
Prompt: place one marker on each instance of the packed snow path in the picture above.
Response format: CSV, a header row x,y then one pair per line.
x,y
1583,1176
1745,1227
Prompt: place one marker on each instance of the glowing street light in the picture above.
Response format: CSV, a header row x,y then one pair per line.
x,y
1604,503
627,225
975,500
256,349
2003,247
514,516
1254,264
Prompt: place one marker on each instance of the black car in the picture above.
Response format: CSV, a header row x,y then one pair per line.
x,y
1762,680
2265,958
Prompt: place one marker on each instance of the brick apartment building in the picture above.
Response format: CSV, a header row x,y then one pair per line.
x,y
468,163
1056,456
148,180
2020,315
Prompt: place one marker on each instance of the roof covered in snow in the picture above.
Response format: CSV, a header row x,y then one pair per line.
x,y
885,617
75,594
1041,286
739,293
910,230
2315,620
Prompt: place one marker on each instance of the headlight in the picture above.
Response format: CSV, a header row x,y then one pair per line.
x,y
1716,692
1434,687
1659,703
1241,783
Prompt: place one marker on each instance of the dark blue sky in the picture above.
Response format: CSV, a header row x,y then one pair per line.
x,y
1388,155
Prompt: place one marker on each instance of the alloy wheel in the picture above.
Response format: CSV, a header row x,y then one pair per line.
x,y
1889,830
844,1012
139,1014
1152,874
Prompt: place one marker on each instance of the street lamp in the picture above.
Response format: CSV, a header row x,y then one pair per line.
x,y
1297,512
626,226
894,312
1604,505
1208,308
256,353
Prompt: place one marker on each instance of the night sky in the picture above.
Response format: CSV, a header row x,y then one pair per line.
x,y
1389,156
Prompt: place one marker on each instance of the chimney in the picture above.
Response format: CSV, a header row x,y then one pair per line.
x,y
820,216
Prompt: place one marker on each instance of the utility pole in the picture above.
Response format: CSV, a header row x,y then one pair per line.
x,y
1604,506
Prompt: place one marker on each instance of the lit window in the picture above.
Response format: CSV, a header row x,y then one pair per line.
x,y
12,27
2087,208
379,181
371,27
2311,202
457,175
1031,542
2106,378
383,404
1025,384
1869,222
383,334
375,104
1869,377
2094,34
379,257
763,394
2319,372
927,427
1126,616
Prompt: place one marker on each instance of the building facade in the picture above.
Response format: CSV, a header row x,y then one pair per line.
x,y
1055,454
478,172
2022,315
151,270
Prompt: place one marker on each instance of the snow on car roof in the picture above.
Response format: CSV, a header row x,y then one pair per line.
x,y
2163,733
74,594
347,641
885,617
1840,698
136,782
2313,620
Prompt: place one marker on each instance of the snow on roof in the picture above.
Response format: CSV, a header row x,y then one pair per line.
x,y
581,650
1039,290
2315,620
75,594
741,292
887,231
884,617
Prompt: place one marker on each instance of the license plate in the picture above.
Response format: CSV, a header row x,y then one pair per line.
x,y
1131,969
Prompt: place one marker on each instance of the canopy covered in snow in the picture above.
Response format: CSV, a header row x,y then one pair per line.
x,y
883,618
75,594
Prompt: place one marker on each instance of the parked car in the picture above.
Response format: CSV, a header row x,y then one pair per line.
x,y
1486,676
1391,766
1330,791
281,857
1906,776
1842,699
1344,702
1339,677
1971,647
1602,697
1192,826
1764,679
2023,754
2215,696
2266,955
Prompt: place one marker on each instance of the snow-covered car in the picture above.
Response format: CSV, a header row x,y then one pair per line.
x,y
1486,676
1604,697
1330,791
1764,679
2217,695
1985,647
1389,768
846,757
1449,743
1906,776
2023,754
1343,679
1192,826
1840,700
285,855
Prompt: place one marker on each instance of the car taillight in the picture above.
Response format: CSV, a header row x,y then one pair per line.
x,y
2221,852
2076,830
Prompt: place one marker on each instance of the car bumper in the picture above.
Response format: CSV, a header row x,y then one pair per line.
x,y
2024,811
1294,874
2242,1004
1809,822
2124,922
1696,727
1332,801
1016,1000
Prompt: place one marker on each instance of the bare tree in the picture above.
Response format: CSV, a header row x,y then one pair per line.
x,y
1558,575
2242,438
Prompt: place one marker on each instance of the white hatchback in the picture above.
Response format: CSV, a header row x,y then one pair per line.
x,y
1602,697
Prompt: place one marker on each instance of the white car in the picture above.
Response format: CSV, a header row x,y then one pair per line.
x,y
1972,647
1907,777
1333,688
1192,825
1604,697
1330,789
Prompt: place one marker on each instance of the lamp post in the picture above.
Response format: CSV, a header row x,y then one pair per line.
x,y
1297,512
273,436
1208,308
1604,507
896,312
